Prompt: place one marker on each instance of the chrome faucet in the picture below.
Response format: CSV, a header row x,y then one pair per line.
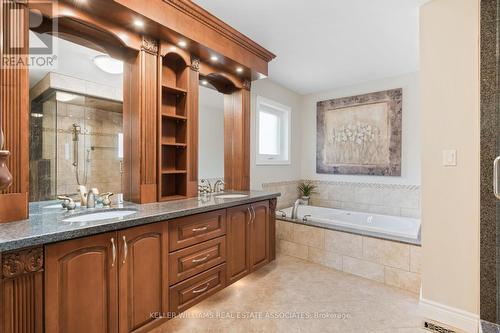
x,y
206,187
295,209
219,186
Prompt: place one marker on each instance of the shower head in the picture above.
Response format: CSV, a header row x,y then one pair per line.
x,y
77,130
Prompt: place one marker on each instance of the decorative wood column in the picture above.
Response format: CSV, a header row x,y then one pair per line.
x,y
237,139
192,140
14,108
21,291
140,123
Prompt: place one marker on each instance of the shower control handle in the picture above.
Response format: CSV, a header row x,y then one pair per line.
x,y
495,177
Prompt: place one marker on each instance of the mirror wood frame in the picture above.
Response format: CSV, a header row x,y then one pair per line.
x,y
142,56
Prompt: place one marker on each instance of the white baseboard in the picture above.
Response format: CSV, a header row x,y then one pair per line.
x,y
462,320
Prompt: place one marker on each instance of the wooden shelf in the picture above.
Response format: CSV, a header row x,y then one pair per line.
x,y
174,144
173,90
172,171
174,116
173,197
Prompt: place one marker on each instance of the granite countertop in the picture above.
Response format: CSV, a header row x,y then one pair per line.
x,y
45,225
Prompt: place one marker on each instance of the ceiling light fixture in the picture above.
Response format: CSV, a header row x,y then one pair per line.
x,y
139,23
239,69
214,58
64,97
182,43
108,64
204,82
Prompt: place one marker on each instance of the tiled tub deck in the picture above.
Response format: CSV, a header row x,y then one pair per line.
x,y
393,263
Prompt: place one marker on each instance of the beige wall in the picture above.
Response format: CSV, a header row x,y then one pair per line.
x,y
450,120
260,174
410,169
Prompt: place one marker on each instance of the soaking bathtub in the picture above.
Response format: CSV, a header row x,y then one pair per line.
x,y
403,229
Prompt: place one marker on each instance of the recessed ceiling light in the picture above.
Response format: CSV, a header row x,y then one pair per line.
x,y
139,23
182,43
64,97
108,64
239,69
204,82
214,58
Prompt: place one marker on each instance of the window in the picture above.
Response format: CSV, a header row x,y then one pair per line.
x,y
273,132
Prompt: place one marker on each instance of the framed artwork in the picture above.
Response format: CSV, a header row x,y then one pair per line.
x,y
360,135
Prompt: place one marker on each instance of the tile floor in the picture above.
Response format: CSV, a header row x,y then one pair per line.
x,y
293,287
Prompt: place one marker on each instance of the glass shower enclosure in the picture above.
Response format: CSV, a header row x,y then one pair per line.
x,y
74,140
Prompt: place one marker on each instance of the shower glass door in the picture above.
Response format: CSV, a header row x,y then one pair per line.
x,y
76,140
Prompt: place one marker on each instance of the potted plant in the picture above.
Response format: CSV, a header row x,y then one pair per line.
x,y
306,189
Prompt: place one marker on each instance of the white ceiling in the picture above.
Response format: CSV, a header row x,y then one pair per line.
x,y
76,61
325,44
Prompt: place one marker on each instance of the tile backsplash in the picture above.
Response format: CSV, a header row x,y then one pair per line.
x,y
388,199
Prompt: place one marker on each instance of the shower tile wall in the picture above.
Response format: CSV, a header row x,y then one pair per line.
x,y
100,130
388,199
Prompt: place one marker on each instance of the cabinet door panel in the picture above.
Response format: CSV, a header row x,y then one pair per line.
x,y
142,275
81,286
238,256
259,235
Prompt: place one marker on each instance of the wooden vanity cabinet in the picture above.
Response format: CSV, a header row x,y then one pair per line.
x,y
259,235
81,285
142,276
115,281
238,246
247,239
109,282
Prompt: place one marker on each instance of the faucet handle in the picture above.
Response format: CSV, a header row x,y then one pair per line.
x,y
67,203
106,202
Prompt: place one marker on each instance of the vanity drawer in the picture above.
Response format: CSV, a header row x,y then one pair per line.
x,y
196,259
191,291
191,230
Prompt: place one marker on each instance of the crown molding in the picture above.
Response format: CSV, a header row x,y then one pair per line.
x,y
201,15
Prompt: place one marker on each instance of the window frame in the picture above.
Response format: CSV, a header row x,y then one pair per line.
x,y
285,122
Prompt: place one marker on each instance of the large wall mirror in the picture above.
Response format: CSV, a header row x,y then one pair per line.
x,y
76,122
210,132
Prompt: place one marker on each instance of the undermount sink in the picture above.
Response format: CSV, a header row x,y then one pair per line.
x,y
231,196
101,215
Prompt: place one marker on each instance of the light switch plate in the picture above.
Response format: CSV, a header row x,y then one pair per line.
x,y
450,157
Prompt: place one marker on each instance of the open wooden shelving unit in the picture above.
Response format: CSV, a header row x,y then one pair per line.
x,y
173,131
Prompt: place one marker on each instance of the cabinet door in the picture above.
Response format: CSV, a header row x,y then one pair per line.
x,y
81,285
143,281
259,235
238,255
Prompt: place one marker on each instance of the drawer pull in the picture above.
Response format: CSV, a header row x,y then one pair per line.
x,y
200,229
202,289
194,261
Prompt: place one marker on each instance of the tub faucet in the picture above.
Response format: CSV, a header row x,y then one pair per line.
x,y
295,209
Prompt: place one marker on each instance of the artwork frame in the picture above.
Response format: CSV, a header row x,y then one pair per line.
x,y
360,135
